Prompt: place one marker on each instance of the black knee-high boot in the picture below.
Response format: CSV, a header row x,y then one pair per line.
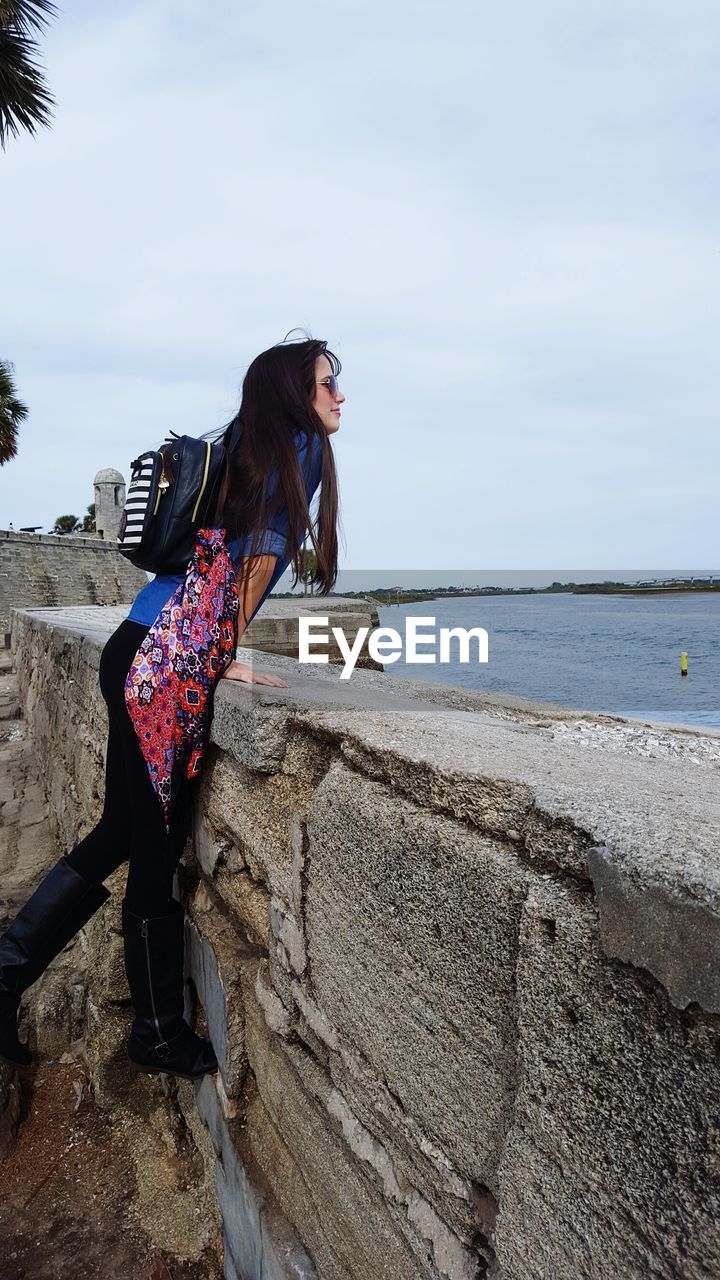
x,y
160,1039
62,903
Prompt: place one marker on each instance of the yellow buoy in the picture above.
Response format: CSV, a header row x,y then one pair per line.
x,y
683,664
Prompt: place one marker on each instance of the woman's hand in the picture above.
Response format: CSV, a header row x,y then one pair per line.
x,y
248,675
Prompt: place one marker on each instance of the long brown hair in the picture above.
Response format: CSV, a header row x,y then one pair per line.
x,y
277,394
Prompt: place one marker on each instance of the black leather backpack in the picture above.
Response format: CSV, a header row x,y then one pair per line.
x,y
172,492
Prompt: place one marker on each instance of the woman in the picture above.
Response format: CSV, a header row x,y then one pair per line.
x,y
290,407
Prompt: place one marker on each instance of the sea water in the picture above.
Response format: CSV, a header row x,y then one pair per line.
x,y
618,654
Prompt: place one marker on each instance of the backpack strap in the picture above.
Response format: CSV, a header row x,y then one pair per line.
x,y
230,444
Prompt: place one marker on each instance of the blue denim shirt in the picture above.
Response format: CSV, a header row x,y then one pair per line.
x,y
151,600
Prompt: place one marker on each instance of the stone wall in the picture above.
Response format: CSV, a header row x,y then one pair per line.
x,y
458,956
45,570
274,629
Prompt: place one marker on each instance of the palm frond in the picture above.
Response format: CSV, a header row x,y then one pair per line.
x,y
25,101
27,16
12,412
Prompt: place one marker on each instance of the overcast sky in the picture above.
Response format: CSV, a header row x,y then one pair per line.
x,y
503,218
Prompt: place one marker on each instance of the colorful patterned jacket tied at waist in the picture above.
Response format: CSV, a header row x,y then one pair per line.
x,y
169,687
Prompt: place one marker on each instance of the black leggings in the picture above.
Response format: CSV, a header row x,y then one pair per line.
x,y
132,828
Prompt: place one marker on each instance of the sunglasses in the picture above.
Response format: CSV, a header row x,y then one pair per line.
x,y
332,384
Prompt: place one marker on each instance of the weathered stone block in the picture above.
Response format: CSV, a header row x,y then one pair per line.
x,y
660,927
412,934
259,1244
247,902
614,1138
56,1008
254,735
209,849
340,1213
107,1028
260,815
214,959
109,978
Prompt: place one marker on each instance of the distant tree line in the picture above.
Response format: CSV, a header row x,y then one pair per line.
x,y
71,524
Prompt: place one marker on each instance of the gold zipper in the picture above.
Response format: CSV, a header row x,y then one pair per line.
x,y
163,484
205,476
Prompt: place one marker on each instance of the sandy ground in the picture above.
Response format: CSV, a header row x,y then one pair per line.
x,y
68,1189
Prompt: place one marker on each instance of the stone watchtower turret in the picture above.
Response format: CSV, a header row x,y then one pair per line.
x,y
109,502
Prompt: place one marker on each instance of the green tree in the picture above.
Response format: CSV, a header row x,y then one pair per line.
x,y
88,523
12,410
25,101
308,561
67,524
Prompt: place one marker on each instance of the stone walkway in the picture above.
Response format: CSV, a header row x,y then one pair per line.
x,y
69,1185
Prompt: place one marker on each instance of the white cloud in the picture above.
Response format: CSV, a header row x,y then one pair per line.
x,y
502,219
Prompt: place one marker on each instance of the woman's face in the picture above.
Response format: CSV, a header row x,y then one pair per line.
x,y
325,404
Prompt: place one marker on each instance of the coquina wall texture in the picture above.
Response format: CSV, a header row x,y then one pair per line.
x,y
39,569
458,956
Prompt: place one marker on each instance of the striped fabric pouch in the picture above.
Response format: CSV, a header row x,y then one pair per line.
x,y
142,496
